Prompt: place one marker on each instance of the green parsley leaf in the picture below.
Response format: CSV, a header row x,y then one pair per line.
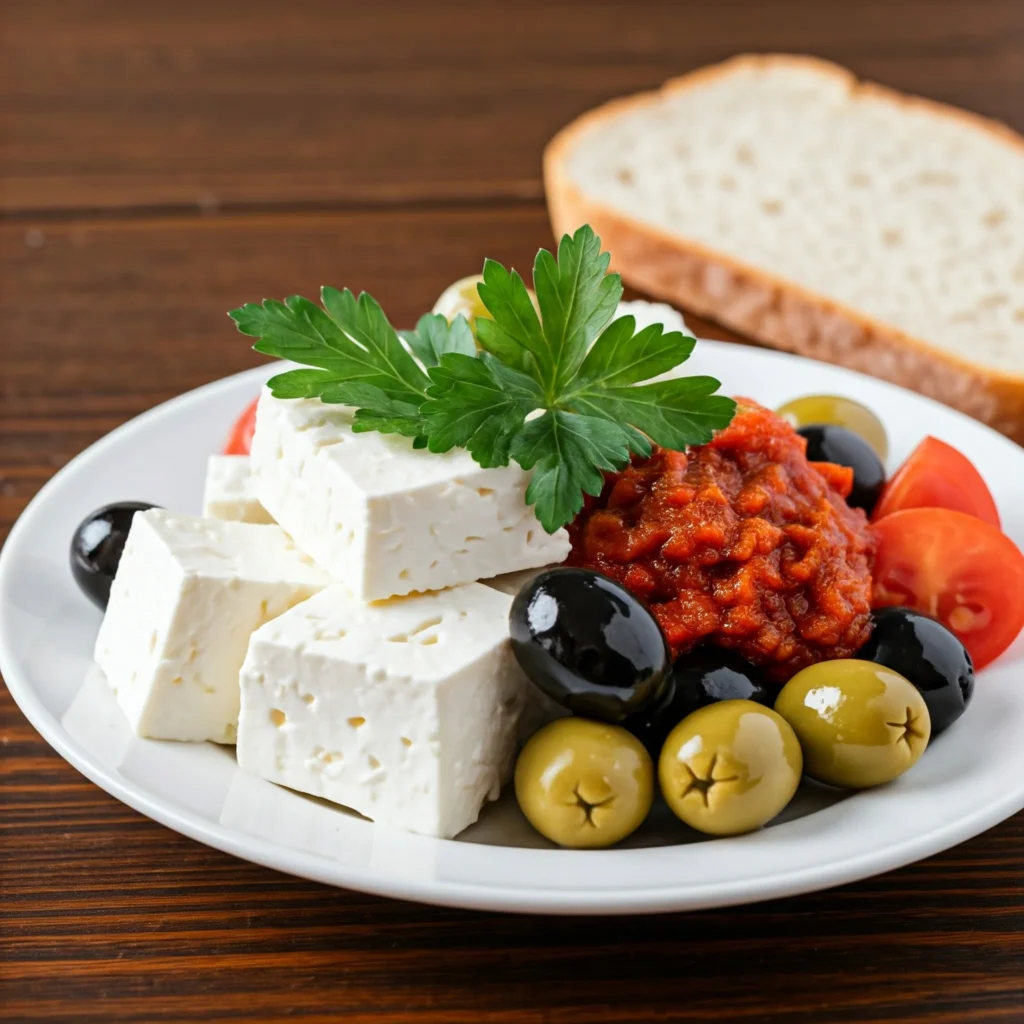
x,y
349,340
514,335
375,410
672,413
478,404
435,337
364,322
585,373
621,357
577,297
559,386
567,453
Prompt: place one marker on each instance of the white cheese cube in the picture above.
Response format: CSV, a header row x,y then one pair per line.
x,y
386,519
647,313
188,594
230,491
405,711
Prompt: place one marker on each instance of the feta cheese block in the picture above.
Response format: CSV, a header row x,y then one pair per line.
x,y
646,313
187,596
384,518
405,710
230,492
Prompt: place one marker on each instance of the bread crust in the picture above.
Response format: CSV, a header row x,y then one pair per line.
x,y
767,308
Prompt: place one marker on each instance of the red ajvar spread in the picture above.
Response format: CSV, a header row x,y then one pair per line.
x,y
742,543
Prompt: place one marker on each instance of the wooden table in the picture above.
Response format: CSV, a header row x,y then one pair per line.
x,y
162,163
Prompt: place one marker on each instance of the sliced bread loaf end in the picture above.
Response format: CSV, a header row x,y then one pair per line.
x,y
809,211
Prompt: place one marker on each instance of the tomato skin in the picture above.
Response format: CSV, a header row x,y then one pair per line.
x,y
936,475
240,439
957,569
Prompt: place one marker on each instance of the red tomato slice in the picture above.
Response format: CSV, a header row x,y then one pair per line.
x,y
240,439
936,475
957,569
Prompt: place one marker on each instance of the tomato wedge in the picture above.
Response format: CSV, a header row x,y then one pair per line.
x,y
240,439
957,569
936,475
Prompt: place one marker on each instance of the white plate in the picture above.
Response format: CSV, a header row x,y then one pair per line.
x,y
971,778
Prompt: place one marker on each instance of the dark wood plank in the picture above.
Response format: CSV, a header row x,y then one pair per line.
x,y
114,104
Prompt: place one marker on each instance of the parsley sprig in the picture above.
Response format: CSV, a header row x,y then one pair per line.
x,y
560,391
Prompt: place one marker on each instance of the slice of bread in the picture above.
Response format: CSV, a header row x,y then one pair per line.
x,y
812,212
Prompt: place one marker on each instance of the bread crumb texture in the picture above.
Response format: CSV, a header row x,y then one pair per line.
x,y
836,218
913,217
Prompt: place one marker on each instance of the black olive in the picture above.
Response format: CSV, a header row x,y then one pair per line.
x,y
929,655
97,545
704,676
589,644
828,443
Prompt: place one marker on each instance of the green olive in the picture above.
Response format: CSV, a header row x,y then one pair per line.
x,y
817,410
730,767
860,724
463,297
584,784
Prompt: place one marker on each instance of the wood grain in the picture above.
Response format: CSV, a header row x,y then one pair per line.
x,y
114,104
160,164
